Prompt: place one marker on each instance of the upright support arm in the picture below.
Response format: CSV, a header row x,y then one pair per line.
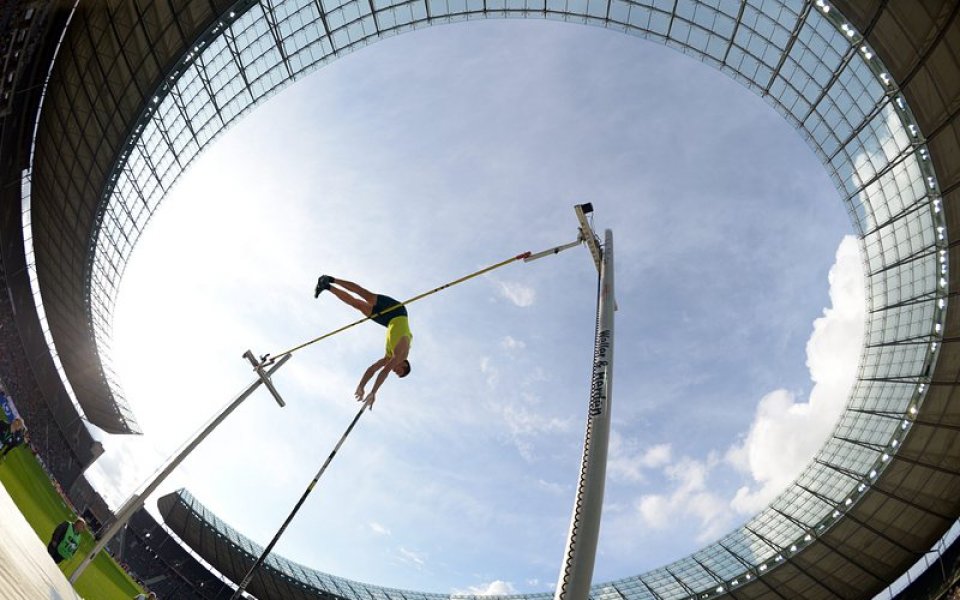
x,y
136,501
586,232
264,376
579,556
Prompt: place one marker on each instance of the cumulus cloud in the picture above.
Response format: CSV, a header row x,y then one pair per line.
x,y
786,431
493,588
655,510
656,456
519,294
627,462
690,498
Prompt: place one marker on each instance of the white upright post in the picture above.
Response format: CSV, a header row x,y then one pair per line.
x,y
576,573
136,501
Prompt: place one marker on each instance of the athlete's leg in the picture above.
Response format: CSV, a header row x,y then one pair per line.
x,y
358,303
364,293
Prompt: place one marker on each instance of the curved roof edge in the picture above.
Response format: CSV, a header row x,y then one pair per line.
x,y
112,58
232,554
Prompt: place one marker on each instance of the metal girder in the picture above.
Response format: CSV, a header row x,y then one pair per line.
x,y
801,21
916,207
780,553
917,255
844,61
271,18
733,34
922,299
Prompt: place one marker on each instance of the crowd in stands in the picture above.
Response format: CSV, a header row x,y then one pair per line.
x,y
940,580
953,574
17,379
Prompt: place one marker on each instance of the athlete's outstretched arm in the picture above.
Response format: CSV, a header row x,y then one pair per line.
x,y
367,375
381,377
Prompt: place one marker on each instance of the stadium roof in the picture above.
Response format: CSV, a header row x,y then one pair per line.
x,y
110,61
140,88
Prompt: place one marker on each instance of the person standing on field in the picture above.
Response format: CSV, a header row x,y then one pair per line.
x,y
66,539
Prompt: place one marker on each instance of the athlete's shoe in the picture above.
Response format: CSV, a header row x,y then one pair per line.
x,y
322,284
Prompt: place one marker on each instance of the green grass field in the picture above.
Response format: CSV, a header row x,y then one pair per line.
x,y
41,505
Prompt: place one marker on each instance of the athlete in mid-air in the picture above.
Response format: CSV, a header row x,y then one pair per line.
x,y
387,312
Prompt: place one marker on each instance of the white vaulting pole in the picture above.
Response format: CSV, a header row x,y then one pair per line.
x,y
576,572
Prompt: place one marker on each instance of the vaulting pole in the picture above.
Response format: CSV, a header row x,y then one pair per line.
x,y
576,572
266,551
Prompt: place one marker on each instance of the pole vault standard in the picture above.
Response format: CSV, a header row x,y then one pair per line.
x,y
136,501
576,572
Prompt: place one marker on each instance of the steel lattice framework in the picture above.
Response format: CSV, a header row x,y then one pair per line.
x,y
143,88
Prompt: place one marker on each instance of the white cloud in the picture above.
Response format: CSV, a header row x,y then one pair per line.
x,y
526,426
656,456
519,294
491,372
626,462
511,343
522,421
781,440
493,588
690,498
655,510
378,529
417,559
713,511
552,487
787,432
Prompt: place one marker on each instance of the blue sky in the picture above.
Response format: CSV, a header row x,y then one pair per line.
x,y
423,158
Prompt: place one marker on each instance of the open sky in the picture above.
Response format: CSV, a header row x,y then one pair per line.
x,y
423,158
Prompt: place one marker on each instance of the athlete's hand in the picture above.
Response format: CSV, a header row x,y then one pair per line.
x,y
369,400
359,393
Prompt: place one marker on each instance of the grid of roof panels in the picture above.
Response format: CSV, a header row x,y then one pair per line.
x,y
804,58
110,55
